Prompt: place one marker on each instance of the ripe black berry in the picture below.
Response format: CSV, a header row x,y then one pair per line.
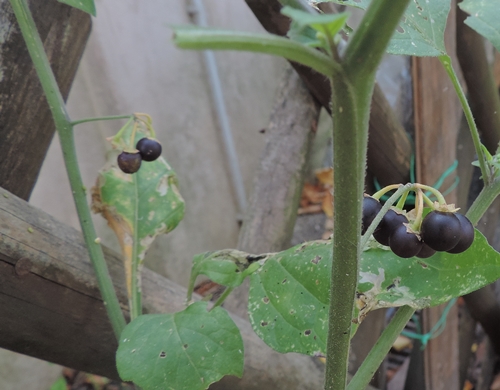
x,y
467,237
149,148
371,207
404,243
391,221
441,230
129,162
426,251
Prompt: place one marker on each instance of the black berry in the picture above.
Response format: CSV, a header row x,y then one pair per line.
x,y
371,207
426,251
404,243
129,162
467,237
149,148
441,230
391,221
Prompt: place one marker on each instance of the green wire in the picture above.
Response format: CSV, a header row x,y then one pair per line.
x,y
436,330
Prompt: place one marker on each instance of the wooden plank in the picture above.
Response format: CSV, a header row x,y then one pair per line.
x,y
389,148
437,120
26,125
51,307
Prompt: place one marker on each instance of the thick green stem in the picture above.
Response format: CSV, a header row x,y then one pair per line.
x,y
213,39
446,62
352,89
377,354
65,130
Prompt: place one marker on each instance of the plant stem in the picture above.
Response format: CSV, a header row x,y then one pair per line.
x,y
485,198
352,89
446,62
101,118
377,354
212,39
387,205
65,130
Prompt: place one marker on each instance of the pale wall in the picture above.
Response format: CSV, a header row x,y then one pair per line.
x,y
131,65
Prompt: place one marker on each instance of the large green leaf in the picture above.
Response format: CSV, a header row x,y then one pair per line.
x,y
484,17
84,5
289,293
187,350
421,32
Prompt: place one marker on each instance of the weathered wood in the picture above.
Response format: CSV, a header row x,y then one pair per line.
x,y
51,307
437,120
271,214
26,125
482,91
268,225
389,148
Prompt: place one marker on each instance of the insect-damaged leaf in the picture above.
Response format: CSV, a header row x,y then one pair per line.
x,y
421,32
484,15
139,206
289,293
187,350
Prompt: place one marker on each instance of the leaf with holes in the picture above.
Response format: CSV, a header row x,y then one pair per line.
x,y
84,5
484,16
421,33
289,299
138,207
187,350
289,293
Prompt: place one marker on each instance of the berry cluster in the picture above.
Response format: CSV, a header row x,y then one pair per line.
x,y
146,149
442,229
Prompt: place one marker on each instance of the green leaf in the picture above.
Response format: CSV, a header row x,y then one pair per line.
x,y
328,24
84,5
60,384
289,294
139,206
421,33
188,350
188,37
289,299
484,16
226,267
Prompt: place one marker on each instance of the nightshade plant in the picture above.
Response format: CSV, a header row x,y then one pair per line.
x,y
309,298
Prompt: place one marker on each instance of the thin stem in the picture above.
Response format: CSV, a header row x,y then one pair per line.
x,y
377,195
377,354
135,300
440,198
427,201
65,130
101,118
446,62
223,297
485,198
401,203
419,208
387,205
